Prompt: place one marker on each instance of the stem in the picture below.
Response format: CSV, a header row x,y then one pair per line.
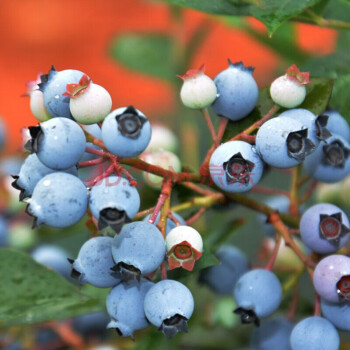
x,y
198,189
269,191
317,311
173,218
274,254
221,130
309,192
91,162
248,138
142,214
210,125
294,191
67,333
119,169
98,152
294,304
322,22
205,201
257,124
196,216
165,193
106,173
282,229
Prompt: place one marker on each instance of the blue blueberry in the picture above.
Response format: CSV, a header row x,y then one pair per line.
x,y
324,228
237,91
222,278
94,263
59,143
283,142
93,324
113,202
169,305
337,313
58,200
125,306
138,249
53,86
314,333
337,124
32,170
4,231
330,162
126,132
258,293
54,258
170,224
235,166
45,336
317,126
272,334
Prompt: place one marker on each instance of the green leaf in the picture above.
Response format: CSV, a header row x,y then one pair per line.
x,y
274,12
207,259
31,293
147,53
316,101
340,99
217,7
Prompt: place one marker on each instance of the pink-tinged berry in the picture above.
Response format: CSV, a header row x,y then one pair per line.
x,y
198,90
289,90
89,103
184,247
162,139
37,105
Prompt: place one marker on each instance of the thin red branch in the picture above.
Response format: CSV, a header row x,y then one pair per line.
x,y
92,162
309,192
206,116
269,191
97,179
165,192
274,253
173,218
317,311
196,216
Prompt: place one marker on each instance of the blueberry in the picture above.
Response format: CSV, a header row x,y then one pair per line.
x,y
59,143
58,200
53,85
258,293
330,162
113,202
337,124
283,142
237,91
272,334
91,325
32,170
332,278
222,278
54,258
45,336
324,228
170,224
314,333
169,305
126,132
125,306
137,250
337,313
235,166
94,263
4,231
317,126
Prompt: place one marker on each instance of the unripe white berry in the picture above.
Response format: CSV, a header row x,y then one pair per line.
x,y
287,93
198,90
92,106
162,139
184,233
37,106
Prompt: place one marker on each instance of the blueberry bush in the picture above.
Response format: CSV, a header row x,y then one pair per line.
x,y
246,249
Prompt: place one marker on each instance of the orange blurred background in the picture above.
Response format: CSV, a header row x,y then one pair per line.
x,y
76,34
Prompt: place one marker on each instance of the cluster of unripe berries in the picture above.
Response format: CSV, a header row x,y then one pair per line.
x,y
49,182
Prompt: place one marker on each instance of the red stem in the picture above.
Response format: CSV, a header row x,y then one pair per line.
x,y
294,304
221,130
210,125
91,162
309,192
166,188
98,152
274,254
163,271
196,216
270,191
106,173
173,218
317,311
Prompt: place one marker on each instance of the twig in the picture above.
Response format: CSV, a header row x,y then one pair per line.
x,y
196,216
207,119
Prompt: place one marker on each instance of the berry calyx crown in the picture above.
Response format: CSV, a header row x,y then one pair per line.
x,y
293,73
192,73
75,90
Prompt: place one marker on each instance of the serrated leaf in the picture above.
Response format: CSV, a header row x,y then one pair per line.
x,y
316,101
31,293
275,12
217,7
147,53
340,98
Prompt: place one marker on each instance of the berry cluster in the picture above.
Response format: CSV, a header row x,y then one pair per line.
x,y
79,130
